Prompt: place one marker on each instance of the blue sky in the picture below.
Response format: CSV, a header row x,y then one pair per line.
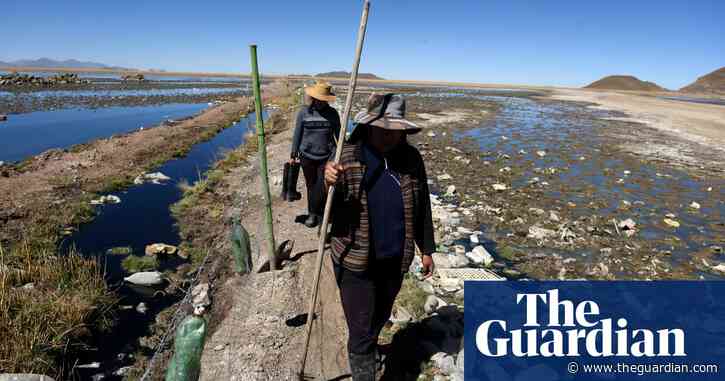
x,y
544,42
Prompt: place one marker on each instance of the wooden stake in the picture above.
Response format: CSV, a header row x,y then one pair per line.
x,y
331,190
263,160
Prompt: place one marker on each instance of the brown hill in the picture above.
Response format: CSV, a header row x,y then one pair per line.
x,y
623,82
346,74
713,83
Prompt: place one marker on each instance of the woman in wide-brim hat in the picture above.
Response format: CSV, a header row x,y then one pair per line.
x,y
381,213
316,130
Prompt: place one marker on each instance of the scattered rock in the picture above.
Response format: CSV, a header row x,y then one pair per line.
x,y
473,238
554,216
444,177
160,249
536,232
219,347
541,153
537,211
499,187
145,278
694,205
479,255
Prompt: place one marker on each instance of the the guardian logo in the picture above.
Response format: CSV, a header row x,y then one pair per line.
x,y
573,330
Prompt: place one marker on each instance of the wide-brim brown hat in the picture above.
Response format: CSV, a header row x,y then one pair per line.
x,y
321,91
386,111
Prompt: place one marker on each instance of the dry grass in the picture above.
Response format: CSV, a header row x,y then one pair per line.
x,y
41,325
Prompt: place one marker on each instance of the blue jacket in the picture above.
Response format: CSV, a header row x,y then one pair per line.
x,y
315,133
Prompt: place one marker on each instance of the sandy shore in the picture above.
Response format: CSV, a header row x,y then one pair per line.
x,y
702,123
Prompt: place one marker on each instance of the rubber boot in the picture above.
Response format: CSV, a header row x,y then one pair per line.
x,y
285,181
294,174
312,221
362,367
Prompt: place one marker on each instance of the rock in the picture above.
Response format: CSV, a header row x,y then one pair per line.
x,y
554,216
694,205
537,211
145,278
536,232
541,153
200,296
499,187
400,315
451,190
142,308
432,303
444,362
479,255
672,223
160,249
426,287
444,177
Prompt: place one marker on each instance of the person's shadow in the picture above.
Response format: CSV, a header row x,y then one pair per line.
x,y
414,345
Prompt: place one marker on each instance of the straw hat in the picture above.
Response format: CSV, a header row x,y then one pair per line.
x,y
321,91
385,111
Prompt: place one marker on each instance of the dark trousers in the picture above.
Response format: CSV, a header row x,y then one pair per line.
x,y
367,299
313,171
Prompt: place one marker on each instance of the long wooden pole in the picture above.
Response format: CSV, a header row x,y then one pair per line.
x,y
263,160
331,190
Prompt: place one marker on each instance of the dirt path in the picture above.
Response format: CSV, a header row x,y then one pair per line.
x,y
702,123
259,332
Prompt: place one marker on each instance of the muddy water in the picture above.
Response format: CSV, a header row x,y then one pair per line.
x,y
562,157
29,134
126,92
143,217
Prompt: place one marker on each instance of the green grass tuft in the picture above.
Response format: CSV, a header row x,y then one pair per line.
x,y
134,263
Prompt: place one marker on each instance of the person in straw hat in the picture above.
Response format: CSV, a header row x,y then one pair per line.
x,y
316,129
381,213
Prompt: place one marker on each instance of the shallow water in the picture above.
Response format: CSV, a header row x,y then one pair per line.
x,y
587,168
25,135
711,101
127,93
142,218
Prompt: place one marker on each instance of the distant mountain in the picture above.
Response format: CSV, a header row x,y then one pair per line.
x,y
48,62
624,82
346,74
713,83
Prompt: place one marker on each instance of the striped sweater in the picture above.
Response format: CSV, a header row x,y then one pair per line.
x,y
350,233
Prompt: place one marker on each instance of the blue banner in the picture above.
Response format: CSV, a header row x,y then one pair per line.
x,y
600,330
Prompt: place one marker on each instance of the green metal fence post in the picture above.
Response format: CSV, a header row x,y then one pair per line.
x,y
263,160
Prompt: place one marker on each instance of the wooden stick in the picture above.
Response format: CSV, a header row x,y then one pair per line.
x,y
331,189
263,160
